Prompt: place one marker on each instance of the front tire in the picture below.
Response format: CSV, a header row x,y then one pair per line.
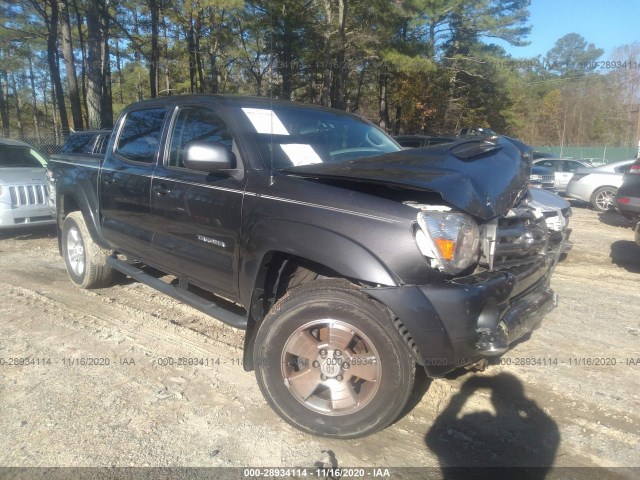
x,y
86,261
330,362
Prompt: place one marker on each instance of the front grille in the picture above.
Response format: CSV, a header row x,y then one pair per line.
x,y
516,240
547,179
28,195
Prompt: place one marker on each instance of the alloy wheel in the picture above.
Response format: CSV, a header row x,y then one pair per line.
x,y
331,367
75,251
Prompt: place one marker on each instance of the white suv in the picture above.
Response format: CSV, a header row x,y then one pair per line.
x,y
23,189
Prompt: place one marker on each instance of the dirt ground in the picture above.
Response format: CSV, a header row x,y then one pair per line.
x,y
567,396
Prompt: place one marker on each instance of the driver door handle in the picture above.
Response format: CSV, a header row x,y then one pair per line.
x,y
161,189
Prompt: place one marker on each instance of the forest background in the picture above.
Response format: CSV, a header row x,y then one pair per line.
x,y
411,66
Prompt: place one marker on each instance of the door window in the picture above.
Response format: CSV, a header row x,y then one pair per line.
x,y
196,124
571,166
553,165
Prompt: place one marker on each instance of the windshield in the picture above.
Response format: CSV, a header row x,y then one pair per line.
x,y
12,156
294,136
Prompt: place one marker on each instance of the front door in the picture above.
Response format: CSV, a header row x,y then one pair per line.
x,y
198,215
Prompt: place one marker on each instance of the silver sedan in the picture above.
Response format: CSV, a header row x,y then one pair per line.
x,y
598,185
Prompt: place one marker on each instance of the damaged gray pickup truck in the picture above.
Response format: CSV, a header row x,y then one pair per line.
x,y
346,259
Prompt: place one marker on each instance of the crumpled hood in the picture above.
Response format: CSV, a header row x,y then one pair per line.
x,y
22,175
482,178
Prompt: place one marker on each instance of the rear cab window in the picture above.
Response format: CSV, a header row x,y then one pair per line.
x,y
78,143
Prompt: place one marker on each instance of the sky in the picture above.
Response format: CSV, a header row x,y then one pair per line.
x,y
605,23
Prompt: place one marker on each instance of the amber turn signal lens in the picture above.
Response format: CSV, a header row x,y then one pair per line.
x,y
447,247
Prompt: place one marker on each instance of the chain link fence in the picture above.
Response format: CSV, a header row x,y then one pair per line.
x,y
46,143
596,154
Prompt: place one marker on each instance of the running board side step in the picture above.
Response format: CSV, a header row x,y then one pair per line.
x,y
181,294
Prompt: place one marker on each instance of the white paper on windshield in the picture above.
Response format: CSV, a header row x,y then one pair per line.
x,y
301,154
265,121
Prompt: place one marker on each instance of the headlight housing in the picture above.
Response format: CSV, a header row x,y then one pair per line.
x,y
449,240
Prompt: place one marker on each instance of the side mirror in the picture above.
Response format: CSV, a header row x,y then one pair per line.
x,y
208,157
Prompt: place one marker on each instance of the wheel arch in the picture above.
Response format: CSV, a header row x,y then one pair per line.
x,y
271,237
67,202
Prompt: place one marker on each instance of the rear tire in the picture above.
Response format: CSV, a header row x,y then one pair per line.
x,y
602,198
330,362
86,261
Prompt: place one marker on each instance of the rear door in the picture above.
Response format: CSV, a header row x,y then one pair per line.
x,y
198,215
125,182
568,168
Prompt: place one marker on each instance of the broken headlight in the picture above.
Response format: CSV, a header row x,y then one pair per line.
x,y
449,240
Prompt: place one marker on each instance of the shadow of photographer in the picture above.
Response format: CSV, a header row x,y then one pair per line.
x,y
626,254
519,434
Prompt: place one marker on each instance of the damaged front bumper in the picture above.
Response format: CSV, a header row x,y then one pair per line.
x,y
460,322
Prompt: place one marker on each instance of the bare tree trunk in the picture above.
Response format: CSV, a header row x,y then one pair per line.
x,y
340,73
54,67
356,105
4,111
45,104
83,52
451,113
14,86
214,47
286,68
325,97
136,54
54,115
119,73
192,54
34,100
95,78
154,58
396,125
382,97
214,74
167,78
198,54
67,54
107,98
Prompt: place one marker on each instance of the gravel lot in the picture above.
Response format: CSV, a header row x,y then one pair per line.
x,y
568,396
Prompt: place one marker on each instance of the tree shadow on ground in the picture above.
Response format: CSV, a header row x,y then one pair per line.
x,y
518,435
626,254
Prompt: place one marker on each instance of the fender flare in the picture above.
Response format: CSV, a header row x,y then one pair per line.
x,y
81,191
317,244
